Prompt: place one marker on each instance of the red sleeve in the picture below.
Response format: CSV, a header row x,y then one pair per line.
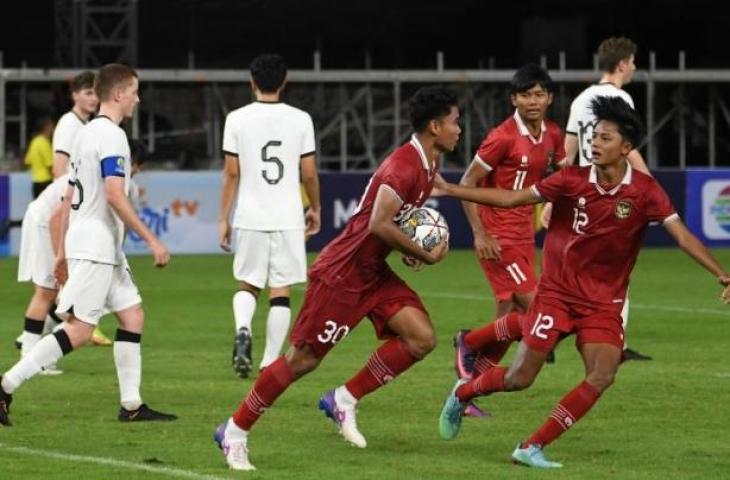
x,y
658,207
552,186
398,176
492,150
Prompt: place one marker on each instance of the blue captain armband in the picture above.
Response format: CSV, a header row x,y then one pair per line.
x,y
112,166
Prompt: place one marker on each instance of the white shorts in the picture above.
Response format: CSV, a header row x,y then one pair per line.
x,y
94,288
36,259
278,259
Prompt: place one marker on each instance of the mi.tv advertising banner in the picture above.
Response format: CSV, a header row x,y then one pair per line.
x,y
182,208
708,205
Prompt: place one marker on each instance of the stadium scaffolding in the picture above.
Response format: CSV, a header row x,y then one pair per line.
x,y
360,114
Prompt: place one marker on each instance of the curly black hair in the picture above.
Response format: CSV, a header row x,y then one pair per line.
x,y
431,103
616,110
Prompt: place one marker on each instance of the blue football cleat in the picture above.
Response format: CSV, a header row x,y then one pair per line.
x,y
451,414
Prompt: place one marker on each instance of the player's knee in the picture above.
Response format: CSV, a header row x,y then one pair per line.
x,y
302,361
421,345
601,381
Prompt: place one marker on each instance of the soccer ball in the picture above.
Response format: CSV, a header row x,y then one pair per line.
x,y
425,226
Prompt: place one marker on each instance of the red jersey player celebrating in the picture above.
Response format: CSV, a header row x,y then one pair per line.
x,y
513,156
598,222
351,279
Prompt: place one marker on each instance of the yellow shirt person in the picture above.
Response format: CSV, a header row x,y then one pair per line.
x,y
39,158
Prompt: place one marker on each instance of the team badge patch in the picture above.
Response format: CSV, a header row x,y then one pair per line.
x,y
622,210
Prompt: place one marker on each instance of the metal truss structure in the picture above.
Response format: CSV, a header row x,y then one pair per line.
x,y
361,115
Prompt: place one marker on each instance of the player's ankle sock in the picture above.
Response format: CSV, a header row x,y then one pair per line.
x,y
570,409
52,320
31,334
344,397
128,360
235,432
244,306
386,363
48,350
490,357
488,382
277,326
505,328
271,383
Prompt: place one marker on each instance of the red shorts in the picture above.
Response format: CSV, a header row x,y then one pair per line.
x,y
329,314
550,319
514,273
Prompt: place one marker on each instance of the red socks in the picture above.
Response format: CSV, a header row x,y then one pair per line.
x,y
386,363
570,409
271,383
488,382
492,341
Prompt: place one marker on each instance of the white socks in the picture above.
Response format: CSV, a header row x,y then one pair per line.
x,y
46,351
625,318
244,306
128,360
344,398
234,432
277,326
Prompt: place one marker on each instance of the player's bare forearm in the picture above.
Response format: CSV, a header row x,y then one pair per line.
x,y
471,178
637,162
310,180
494,197
60,164
394,237
121,205
58,223
692,246
571,149
230,185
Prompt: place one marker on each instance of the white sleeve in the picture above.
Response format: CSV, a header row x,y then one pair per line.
x,y
63,135
627,96
114,145
230,146
308,144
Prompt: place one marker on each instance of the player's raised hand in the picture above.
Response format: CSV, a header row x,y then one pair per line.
x,y
439,252
486,246
224,235
547,212
313,223
60,271
725,282
160,253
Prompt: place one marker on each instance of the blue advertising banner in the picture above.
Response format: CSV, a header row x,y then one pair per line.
x,y
708,206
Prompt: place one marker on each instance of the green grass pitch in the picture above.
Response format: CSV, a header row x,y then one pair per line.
x,y
668,418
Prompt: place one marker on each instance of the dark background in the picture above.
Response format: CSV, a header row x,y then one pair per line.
x,y
227,33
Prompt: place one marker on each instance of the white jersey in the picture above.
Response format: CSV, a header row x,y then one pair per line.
x,y
95,232
582,120
269,140
42,207
65,133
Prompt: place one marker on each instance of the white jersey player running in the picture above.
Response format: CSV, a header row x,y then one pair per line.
x,y
616,61
97,276
266,144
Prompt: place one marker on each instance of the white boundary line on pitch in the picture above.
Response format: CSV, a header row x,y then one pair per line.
x,y
111,462
640,306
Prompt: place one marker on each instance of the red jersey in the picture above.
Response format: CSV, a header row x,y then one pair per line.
x,y
595,235
355,259
516,160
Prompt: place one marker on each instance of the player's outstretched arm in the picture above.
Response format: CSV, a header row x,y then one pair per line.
x,y
386,207
58,225
118,200
695,249
494,197
485,245
310,180
231,173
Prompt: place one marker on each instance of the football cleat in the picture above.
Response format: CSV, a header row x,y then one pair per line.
x,y
99,339
242,363
235,451
51,370
344,418
144,414
532,456
472,410
463,357
629,354
452,413
5,400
